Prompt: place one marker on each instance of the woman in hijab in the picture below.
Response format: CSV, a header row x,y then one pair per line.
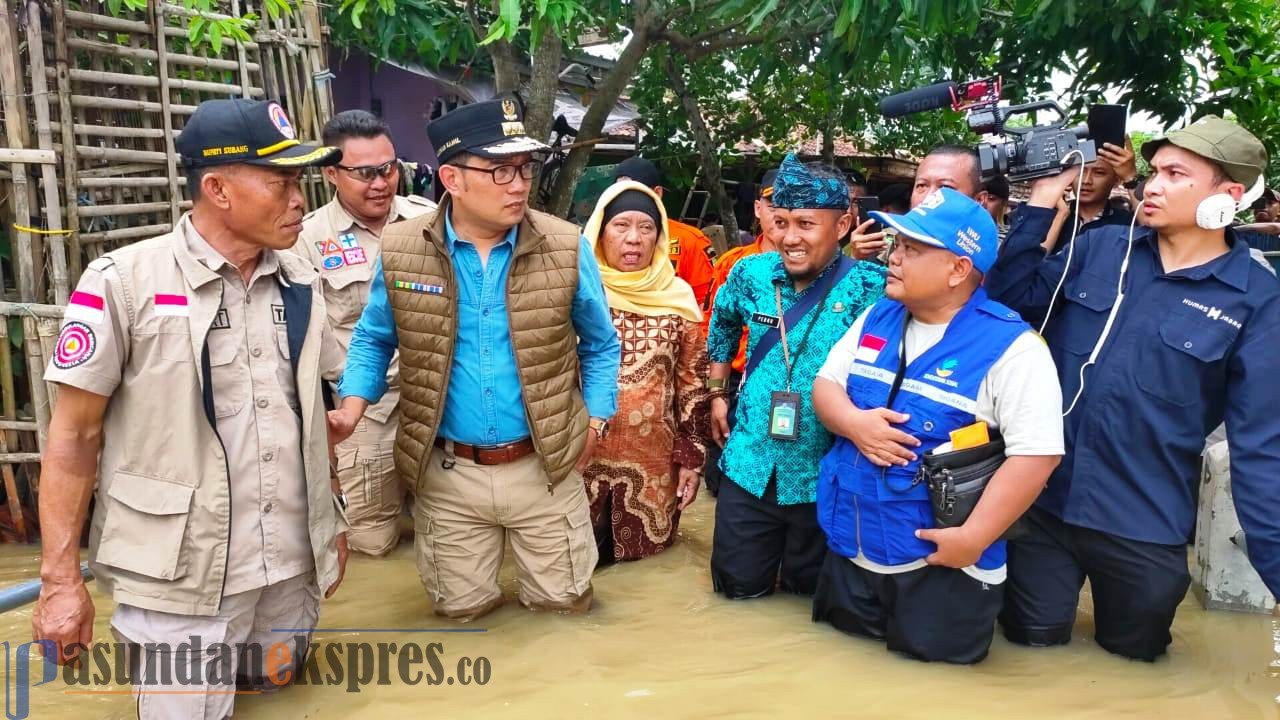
x,y
647,469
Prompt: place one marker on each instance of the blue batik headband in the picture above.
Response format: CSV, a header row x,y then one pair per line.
x,y
797,186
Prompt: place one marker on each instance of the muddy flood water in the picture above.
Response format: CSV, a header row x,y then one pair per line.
x,y
659,644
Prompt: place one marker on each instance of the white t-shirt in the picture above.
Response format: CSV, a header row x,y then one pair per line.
x,y
1020,397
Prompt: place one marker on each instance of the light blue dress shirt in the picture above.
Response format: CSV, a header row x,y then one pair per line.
x,y
484,404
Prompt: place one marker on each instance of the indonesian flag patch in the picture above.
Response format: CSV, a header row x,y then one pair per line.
x,y
172,305
869,348
85,307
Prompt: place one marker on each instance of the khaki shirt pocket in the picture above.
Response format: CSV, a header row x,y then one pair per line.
x,y
145,523
282,342
174,344
230,380
344,295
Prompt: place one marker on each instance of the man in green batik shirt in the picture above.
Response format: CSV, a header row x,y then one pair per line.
x,y
796,303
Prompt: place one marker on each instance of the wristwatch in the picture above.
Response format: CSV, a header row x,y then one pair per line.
x,y
1133,183
600,425
715,383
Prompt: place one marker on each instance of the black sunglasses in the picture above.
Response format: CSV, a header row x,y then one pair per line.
x,y
367,173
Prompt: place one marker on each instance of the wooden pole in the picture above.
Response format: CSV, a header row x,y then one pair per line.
x,y
48,174
70,191
15,124
106,103
145,81
10,438
162,67
314,26
246,85
147,54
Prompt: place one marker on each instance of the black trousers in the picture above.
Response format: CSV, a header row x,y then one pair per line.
x,y
759,545
1136,587
713,475
933,613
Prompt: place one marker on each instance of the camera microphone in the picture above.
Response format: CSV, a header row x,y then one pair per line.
x,y
934,97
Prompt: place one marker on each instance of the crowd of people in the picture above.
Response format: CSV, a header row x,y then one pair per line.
x,y
933,428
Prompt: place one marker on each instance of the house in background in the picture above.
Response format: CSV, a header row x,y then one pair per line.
x,y
408,96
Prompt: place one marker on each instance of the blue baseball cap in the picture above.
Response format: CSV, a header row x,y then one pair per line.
x,y
950,220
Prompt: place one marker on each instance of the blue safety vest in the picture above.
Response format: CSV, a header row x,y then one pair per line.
x,y
862,506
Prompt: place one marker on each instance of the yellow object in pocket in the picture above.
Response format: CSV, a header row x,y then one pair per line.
x,y
970,436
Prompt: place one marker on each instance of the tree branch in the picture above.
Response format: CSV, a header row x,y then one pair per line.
x,y
726,28
697,47
706,148
476,27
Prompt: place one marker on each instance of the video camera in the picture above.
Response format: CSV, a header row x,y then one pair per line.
x,y
1026,153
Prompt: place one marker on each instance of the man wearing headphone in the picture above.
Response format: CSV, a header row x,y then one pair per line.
x,y
1159,333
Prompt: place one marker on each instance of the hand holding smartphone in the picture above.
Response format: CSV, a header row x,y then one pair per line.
x,y
865,205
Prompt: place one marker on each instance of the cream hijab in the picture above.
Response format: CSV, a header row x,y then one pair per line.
x,y
653,291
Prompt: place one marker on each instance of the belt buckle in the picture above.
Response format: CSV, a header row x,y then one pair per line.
x,y
449,460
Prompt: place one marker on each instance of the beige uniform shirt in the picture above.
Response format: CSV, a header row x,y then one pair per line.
x,y
255,405
345,252
256,409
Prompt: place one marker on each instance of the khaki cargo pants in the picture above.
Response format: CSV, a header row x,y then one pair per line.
x,y
464,513
375,495
266,631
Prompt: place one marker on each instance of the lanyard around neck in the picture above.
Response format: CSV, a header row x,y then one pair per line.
x,y
782,323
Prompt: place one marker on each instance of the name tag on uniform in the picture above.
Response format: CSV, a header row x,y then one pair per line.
x,y
763,319
221,321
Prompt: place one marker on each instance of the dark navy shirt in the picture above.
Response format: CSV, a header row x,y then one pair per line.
x,y
1110,216
1189,349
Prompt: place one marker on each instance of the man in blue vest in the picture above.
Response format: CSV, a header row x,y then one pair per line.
x,y
936,355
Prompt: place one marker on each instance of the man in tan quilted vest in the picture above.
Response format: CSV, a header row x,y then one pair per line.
x,y
190,368
343,240
508,366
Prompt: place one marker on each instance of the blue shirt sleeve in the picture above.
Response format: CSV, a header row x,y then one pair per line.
x,y
373,343
1023,278
599,351
1253,438
724,332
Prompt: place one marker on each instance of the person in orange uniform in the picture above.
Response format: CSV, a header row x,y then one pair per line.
x,y
689,249
765,242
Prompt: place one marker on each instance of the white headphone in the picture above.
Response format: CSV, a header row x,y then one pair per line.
x,y
1217,211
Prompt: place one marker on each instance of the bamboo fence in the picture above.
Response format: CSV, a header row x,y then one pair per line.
x,y
91,106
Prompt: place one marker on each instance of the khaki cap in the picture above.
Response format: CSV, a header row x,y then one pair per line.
x,y
1241,155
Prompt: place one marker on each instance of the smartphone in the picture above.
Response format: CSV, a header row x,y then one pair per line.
x,y
1107,124
865,206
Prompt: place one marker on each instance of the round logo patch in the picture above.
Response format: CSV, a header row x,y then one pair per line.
x,y
76,345
333,262
281,121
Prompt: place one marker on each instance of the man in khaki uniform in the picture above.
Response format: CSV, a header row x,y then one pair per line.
x,y
191,364
342,240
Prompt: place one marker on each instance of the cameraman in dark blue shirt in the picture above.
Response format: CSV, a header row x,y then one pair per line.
x,y
1159,334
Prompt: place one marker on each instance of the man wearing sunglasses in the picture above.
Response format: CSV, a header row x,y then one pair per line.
x,y
509,365
342,240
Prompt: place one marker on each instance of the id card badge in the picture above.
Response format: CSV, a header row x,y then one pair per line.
x,y
784,415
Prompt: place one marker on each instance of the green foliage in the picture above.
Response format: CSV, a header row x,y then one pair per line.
x,y
440,32
209,25
431,32
875,47
115,7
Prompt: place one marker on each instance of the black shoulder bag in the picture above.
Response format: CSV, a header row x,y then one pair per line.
x,y
956,479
